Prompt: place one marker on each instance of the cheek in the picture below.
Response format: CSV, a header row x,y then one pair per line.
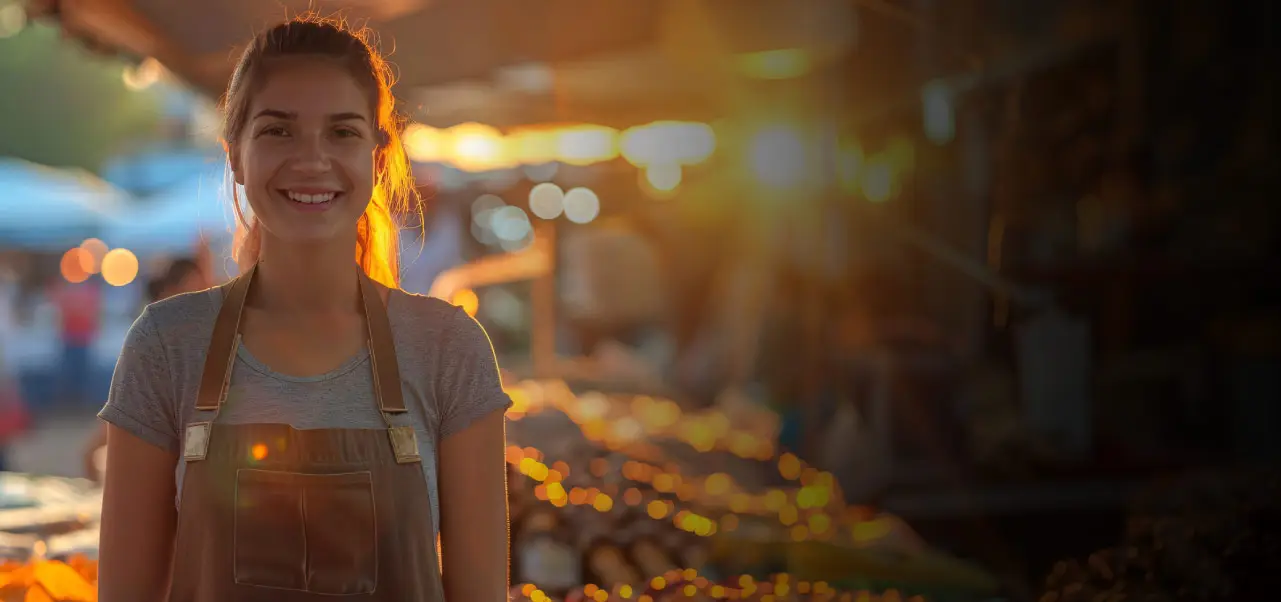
x,y
257,164
361,167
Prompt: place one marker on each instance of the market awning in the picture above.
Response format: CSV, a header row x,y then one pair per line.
x,y
47,209
502,61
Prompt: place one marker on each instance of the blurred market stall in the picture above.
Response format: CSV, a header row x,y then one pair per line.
x,y
48,209
172,220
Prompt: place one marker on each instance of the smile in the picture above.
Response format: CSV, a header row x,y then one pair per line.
x,y
312,200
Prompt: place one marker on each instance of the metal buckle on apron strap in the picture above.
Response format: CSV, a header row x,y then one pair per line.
x,y
404,442
195,444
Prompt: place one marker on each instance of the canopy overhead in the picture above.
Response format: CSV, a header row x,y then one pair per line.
x,y
500,61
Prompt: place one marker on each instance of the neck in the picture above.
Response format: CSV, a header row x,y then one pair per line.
x,y
294,277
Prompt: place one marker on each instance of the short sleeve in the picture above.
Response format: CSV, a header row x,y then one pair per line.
x,y
470,384
140,400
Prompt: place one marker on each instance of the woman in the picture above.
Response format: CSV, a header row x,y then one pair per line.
x,y
183,275
317,425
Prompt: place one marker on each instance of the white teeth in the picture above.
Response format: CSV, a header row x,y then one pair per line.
x,y
312,198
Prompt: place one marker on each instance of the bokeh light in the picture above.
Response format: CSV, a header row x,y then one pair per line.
x,y
119,267
778,157
13,19
547,200
143,75
587,144
477,147
425,144
467,299
72,265
581,205
94,251
663,177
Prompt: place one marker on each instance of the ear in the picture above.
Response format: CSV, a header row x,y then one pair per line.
x,y
233,158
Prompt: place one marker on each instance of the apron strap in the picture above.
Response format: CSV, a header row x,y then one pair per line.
x,y
226,336
382,349
223,343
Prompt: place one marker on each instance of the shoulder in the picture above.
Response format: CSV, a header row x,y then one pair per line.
x,y
443,335
422,318
185,308
183,320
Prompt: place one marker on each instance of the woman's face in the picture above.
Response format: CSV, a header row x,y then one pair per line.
x,y
306,154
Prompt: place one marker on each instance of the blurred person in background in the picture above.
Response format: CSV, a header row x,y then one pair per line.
x,y
311,374
13,409
79,308
183,275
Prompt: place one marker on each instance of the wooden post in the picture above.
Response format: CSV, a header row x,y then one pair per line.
x,y
543,302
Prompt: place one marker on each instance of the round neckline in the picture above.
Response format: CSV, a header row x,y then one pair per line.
x,y
248,358
359,358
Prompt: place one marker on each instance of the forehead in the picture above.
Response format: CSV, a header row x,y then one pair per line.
x,y
308,87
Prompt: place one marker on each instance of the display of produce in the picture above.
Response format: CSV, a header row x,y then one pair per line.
x,y
48,539
613,496
650,500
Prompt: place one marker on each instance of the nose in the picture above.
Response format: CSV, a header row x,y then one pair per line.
x,y
313,156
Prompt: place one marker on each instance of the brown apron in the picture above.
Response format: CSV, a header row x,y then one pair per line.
x,y
269,512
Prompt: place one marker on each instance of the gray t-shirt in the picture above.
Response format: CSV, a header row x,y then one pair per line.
x,y
448,374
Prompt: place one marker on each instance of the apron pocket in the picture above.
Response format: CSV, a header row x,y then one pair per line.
x,y
306,532
342,531
270,540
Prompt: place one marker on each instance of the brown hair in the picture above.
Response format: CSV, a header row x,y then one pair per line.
x,y
377,245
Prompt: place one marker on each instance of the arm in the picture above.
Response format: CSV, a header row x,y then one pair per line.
x,y
138,514
472,480
98,440
138,520
473,511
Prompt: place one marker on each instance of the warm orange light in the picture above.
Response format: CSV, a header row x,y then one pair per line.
x,y
72,265
789,467
478,147
119,267
534,146
467,299
258,451
94,251
587,144
425,144
717,484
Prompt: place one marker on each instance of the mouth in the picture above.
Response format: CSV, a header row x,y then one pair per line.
x,y
312,200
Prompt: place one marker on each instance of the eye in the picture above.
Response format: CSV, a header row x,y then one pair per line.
x,y
273,130
347,132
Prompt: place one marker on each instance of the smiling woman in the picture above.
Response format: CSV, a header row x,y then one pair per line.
x,y
307,427
336,93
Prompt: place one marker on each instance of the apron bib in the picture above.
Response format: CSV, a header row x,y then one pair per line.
x,y
273,513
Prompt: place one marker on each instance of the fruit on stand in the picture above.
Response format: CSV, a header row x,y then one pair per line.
x,y
649,499
49,581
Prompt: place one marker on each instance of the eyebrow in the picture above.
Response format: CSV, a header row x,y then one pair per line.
x,y
290,115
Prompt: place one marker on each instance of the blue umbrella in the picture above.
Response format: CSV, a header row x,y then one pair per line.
x,y
47,209
172,220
